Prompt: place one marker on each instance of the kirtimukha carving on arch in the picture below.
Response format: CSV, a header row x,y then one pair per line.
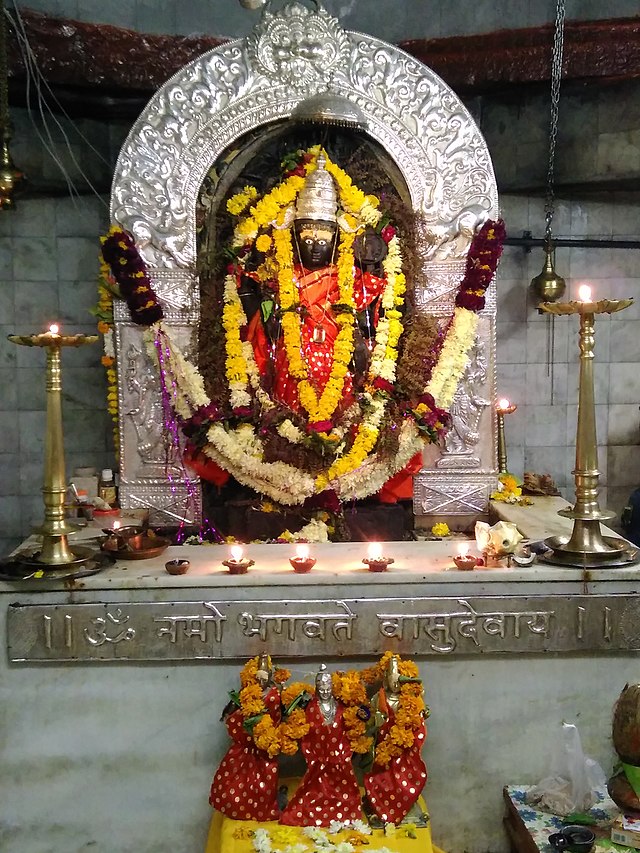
x,y
293,56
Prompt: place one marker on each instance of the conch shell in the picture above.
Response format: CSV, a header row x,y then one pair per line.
x,y
498,540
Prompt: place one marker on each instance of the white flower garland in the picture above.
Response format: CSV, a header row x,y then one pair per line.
x,y
182,378
447,373
321,842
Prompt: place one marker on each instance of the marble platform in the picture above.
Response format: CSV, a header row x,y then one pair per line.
x,y
118,753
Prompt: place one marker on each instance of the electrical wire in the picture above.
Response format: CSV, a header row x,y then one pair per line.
x,y
35,79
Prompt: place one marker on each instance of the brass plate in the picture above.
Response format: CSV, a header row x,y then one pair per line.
x,y
23,567
623,554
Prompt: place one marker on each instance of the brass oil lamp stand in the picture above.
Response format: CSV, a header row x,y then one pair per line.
x,y
55,557
503,408
587,547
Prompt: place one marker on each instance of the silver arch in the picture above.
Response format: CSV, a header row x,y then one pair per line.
x,y
257,82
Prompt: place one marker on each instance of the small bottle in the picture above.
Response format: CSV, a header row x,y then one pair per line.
x,y
82,502
107,487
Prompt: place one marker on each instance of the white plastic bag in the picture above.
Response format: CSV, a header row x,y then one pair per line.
x,y
573,779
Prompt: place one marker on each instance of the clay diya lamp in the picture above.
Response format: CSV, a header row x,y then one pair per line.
x,y
374,560
177,567
302,562
463,560
237,563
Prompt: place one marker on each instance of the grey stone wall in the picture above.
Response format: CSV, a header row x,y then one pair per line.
x,y
48,272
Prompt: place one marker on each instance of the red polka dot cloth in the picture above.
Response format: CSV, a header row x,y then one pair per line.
x,y
393,789
329,790
246,782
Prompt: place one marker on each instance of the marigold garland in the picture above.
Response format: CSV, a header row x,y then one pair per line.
x,y
411,711
268,736
349,689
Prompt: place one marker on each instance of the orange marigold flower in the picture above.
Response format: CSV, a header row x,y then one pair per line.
x,y
281,675
292,691
361,745
106,360
251,701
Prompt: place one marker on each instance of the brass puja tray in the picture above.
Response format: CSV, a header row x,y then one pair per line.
x,y
150,546
622,553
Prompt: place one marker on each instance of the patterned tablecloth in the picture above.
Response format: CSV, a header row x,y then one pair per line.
x,y
540,825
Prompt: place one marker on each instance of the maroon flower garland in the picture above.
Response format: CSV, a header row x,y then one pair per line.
x,y
128,269
482,261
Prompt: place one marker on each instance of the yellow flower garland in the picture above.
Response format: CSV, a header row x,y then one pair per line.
x,y
104,312
360,209
453,357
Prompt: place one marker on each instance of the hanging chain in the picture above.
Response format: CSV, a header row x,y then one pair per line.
x,y
4,73
556,75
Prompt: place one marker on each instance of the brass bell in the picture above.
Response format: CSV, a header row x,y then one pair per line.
x,y
10,177
548,285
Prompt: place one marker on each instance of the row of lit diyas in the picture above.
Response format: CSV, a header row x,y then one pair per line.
x,y
303,562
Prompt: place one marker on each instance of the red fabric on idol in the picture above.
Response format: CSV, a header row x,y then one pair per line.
x,y
246,782
329,790
318,291
400,486
392,790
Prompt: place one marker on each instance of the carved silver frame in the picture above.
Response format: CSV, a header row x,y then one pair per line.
x,y
255,82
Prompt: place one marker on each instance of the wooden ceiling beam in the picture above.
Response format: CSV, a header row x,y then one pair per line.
x,y
105,64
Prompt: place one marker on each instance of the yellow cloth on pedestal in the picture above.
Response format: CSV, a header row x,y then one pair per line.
x,y
222,832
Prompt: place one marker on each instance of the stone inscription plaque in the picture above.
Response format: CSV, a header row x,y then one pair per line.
x,y
192,630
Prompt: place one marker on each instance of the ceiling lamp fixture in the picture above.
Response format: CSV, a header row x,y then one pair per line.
x,y
10,177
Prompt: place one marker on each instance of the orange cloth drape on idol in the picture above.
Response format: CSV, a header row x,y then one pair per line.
x,y
393,790
246,782
318,291
329,790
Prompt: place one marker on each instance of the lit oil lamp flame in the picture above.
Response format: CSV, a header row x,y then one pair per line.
x,y
463,559
116,525
237,562
503,403
302,552
54,328
374,551
584,293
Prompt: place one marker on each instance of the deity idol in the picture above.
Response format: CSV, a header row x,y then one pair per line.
x,y
329,790
398,774
245,784
318,232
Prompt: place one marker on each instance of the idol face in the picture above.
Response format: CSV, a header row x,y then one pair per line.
x,y
392,679
315,242
323,689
